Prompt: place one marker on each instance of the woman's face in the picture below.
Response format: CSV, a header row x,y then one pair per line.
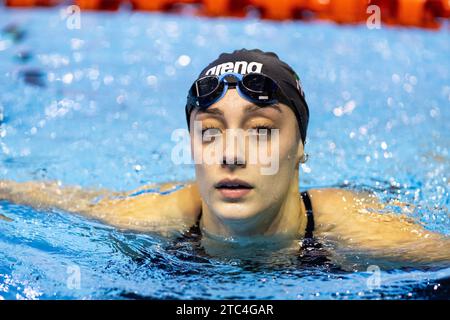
x,y
265,170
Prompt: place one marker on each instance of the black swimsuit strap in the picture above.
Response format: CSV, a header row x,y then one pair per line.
x,y
309,213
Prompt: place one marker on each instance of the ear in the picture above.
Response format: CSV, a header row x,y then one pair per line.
x,y
301,158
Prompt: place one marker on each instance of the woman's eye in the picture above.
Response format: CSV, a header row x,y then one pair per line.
x,y
211,132
263,130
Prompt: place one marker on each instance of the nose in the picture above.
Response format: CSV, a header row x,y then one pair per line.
x,y
234,151
233,163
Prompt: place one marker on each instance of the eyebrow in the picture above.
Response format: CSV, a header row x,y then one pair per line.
x,y
247,109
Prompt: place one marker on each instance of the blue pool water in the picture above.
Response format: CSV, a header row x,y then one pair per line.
x,y
96,106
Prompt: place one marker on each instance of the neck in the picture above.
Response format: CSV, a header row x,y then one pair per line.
x,y
287,218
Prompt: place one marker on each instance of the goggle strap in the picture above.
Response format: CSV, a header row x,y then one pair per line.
x,y
196,88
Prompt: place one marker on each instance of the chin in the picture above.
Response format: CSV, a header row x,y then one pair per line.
x,y
234,211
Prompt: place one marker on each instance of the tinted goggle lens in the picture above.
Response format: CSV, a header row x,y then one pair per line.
x,y
259,83
205,86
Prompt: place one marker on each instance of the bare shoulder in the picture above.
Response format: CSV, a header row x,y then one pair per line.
x,y
152,211
361,220
327,199
189,200
331,205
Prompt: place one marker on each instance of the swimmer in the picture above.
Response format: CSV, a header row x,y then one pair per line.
x,y
257,92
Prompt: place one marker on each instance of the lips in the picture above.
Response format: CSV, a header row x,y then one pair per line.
x,y
233,184
233,188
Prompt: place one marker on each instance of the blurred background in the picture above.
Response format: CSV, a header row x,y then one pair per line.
x,y
420,13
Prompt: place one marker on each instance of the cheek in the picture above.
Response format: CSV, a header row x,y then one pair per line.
x,y
287,150
203,172
289,144
203,178
206,176
278,182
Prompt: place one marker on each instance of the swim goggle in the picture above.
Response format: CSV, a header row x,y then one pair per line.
x,y
254,87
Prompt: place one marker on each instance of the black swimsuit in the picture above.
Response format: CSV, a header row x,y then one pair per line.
x,y
311,252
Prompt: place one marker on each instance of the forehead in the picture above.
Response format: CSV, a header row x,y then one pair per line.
x,y
233,105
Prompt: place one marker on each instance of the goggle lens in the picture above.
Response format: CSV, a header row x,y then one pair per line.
x,y
205,86
259,83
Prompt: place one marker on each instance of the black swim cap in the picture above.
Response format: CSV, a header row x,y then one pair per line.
x,y
245,61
